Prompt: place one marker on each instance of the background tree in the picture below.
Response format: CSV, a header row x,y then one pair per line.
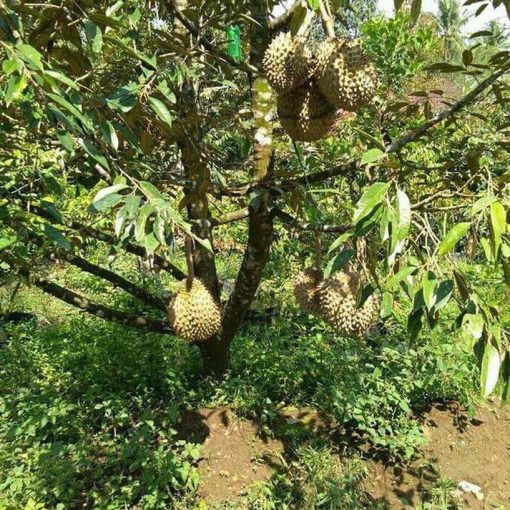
x,y
451,20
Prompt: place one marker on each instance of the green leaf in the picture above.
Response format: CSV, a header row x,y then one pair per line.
x,y
371,156
158,227
109,134
339,261
498,226
404,214
15,87
150,243
30,55
57,75
401,275
120,220
56,236
143,215
11,66
386,305
93,151
70,108
314,4
66,140
451,239
108,191
474,323
443,294
5,242
429,283
341,239
482,203
369,200
491,364
151,191
94,35
161,110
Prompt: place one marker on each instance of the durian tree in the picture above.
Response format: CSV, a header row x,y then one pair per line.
x,y
152,126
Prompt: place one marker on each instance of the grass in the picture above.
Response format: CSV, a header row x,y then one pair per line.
x,y
88,409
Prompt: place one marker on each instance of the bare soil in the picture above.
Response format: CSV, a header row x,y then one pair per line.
x,y
233,456
476,450
460,448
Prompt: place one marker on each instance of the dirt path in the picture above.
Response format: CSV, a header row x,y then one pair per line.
x,y
459,449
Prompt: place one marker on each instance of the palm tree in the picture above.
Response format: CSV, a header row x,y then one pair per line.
x,y
499,35
451,20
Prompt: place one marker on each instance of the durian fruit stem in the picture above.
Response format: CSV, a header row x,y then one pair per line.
x,y
327,20
189,262
305,24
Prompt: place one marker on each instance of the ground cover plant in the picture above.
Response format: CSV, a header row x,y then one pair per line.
x,y
261,206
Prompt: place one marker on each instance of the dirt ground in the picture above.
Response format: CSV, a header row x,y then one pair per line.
x,y
476,450
459,449
233,456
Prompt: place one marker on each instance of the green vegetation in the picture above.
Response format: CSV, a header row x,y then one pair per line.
x,y
148,145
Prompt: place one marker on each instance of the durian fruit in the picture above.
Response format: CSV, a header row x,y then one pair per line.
x,y
337,305
193,312
306,115
345,75
306,284
287,62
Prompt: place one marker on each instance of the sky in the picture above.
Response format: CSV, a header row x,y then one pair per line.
x,y
474,24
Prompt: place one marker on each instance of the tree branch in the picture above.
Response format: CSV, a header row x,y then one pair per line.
x,y
446,114
300,225
284,19
101,311
115,279
192,29
230,217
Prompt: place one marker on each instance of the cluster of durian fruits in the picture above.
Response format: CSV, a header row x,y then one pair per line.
x,y
317,90
194,314
334,299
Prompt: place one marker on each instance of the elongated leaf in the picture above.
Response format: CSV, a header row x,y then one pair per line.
x,y
474,324
93,151
429,283
369,200
491,363
371,156
498,226
94,35
109,134
339,261
57,237
108,191
30,55
161,110
386,305
415,10
151,191
120,220
401,275
404,214
57,75
143,215
443,294
5,242
15,87
482,203
69,107
451,239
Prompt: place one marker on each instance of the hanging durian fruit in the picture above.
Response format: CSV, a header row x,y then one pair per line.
x,y
287,62
345,75
337,305
194,314
305,114
306,285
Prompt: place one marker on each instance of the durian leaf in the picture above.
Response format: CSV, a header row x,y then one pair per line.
x,y
491,364
369,200
451,239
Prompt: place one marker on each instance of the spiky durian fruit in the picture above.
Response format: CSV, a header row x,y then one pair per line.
x,y
306,115
194,314
345,74
337,305
287,62
305,289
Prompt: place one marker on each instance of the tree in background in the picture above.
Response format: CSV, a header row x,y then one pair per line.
x,y
451,20
155,131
